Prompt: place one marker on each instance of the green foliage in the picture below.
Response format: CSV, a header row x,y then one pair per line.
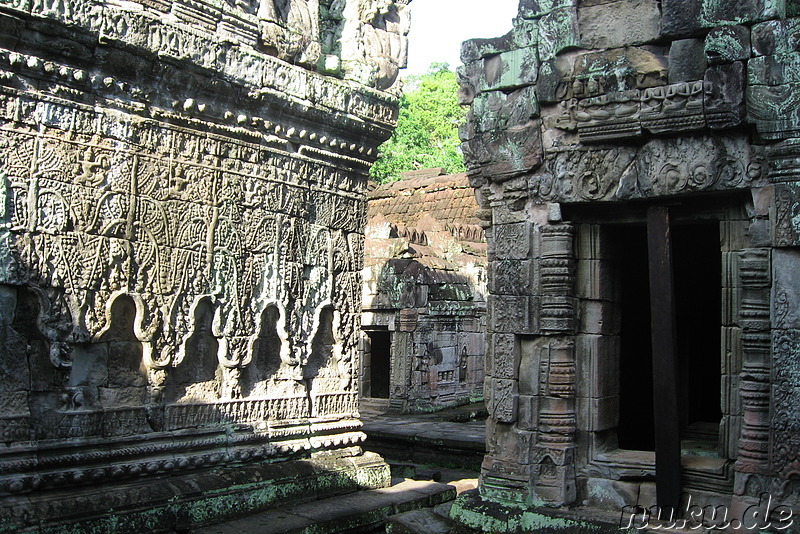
x,y
427,127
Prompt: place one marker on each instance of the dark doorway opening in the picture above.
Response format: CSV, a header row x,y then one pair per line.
x,y
697,287
698,310
636,428
379,363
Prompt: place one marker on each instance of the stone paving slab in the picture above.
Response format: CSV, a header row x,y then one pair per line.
x,y
340,514
424,521
425,440
468,435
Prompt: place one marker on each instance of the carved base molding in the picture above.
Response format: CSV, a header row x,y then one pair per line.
x,y
198,497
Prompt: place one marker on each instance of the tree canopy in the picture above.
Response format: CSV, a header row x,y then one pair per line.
x,y
427,127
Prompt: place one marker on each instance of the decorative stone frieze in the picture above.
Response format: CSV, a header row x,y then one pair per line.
x,y
181,239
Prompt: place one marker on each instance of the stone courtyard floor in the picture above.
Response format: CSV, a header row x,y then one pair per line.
x,y
433,457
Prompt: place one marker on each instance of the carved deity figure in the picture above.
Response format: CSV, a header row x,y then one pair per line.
x,y
290,29
374,45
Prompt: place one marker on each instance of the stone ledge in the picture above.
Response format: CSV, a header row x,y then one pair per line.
x,y
470,510
342,514
165,504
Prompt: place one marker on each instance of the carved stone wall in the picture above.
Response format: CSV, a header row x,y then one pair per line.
x,y
181,240
581,117
425,286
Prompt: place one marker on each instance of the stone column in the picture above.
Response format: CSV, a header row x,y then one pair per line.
x,y
553,479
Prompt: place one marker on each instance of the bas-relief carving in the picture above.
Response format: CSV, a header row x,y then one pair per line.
x,y
290,29
162,268
785,455
160,249
364,39
660,167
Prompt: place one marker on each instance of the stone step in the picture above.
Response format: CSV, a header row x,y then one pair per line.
x,y
424,521
363,511
434,520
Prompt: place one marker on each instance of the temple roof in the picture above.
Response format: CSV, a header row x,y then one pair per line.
x,y
447,198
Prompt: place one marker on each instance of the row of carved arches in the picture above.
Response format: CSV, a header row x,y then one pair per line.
x,y
116,369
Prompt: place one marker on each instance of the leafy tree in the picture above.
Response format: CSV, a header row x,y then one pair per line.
x,y
427,127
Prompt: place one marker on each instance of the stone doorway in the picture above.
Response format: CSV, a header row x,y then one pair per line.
x,y
696,269
614,352
377,364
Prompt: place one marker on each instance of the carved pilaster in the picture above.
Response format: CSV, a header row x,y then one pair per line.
x,y
557,280
754,319
554,475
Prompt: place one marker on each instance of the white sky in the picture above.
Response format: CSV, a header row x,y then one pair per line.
x,y
439,26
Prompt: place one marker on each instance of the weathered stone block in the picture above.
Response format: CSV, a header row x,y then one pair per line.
x,y
618,70
90,365
525,33
784,162
759,233
594,279
687,60
724,102
786,288
514,314
610,117
772,111
620,23
680,17
528,412
505,356
730,387
775,38
786,220
690,169
611,494
553,85
557,314
469,79
554,484
530,357
506,153
513,241
647,494
502,400
599,317
511,277
727,43
731,345
605,413
486,111
597,364
15,371
480,48
520,107
715,12
509,70
558,31
536,8
773,70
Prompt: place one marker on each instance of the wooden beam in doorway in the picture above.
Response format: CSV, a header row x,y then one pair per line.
x,y
665,368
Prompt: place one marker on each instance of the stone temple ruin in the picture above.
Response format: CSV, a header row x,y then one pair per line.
x,y
181,238
637,166
182,213
424,295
